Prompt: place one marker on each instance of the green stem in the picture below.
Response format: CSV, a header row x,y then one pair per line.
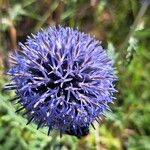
x,y
97,136
135,24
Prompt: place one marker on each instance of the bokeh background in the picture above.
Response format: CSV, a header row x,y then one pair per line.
x,y
123,26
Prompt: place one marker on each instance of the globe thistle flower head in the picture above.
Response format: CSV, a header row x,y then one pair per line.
x,y
63,79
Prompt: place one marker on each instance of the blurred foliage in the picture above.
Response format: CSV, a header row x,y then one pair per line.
x,y
123,26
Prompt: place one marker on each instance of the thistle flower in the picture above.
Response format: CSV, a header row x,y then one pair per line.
x,y
63,79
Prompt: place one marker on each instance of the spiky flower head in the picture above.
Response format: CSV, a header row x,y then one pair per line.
x,y
63,79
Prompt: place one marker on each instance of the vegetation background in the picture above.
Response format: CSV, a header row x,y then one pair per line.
x,y
124,28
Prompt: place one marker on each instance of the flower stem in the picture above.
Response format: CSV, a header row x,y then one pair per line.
x,y
134,26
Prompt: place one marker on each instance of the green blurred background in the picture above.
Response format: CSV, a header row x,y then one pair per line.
x,y
124,28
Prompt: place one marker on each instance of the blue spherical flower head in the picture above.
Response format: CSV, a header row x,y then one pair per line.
x,y
63,79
